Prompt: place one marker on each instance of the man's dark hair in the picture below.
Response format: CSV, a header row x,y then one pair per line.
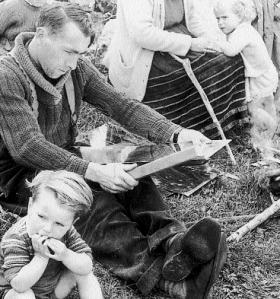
x,y
54,17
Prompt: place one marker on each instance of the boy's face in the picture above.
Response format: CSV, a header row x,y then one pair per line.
x,y
227,20
47,217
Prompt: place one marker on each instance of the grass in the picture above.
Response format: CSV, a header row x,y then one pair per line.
x,y
253,265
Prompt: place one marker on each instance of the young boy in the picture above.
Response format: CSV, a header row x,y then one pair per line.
x,y
42,255
234,19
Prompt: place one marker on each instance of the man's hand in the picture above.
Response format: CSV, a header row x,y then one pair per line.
x,y
187,135
112,177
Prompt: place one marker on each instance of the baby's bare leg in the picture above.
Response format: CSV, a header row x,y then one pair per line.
x,y
12,294
263,114
269,106
65,284
89,287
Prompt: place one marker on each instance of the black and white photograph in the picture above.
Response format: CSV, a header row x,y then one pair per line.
x,y
139,149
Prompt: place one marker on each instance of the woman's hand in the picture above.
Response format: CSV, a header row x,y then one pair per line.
x,y
205,44
199,44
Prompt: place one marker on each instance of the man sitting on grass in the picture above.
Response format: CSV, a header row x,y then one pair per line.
x,y
128,227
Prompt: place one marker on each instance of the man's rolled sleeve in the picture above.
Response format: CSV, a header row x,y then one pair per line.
x,y
77,165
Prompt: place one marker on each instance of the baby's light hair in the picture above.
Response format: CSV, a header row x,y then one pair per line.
x,y
69,188
244,9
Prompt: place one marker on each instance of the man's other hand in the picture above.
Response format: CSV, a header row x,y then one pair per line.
x,y
188,135
112,177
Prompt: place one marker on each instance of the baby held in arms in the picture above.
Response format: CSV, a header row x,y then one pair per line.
x,y
234,18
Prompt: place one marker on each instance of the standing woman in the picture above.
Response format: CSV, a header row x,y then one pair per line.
x,y
140,64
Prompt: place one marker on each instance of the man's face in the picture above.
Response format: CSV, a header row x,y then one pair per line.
x,y
61,51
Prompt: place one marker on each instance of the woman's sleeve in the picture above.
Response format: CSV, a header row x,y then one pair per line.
x,y
142,29
200,18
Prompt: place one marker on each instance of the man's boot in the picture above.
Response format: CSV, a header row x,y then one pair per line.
x,y
200,280
196,246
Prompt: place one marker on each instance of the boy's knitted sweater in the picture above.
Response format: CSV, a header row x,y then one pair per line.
x,y
40,143
17,251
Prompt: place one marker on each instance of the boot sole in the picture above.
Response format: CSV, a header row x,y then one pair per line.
x,y
219,261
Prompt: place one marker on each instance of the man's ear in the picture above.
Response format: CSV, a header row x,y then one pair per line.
x,y
41,32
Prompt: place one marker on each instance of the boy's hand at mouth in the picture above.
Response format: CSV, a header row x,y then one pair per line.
x,y
57,249
39,245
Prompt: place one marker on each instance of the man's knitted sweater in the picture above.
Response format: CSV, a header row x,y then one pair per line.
x,y
40,143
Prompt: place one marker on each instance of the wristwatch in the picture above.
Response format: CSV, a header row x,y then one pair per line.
x,y
175,137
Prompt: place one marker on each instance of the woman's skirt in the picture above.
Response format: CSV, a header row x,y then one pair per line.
x,y
172,94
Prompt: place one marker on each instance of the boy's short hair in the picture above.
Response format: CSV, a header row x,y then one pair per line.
x,y
69,188
54,17
244,9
